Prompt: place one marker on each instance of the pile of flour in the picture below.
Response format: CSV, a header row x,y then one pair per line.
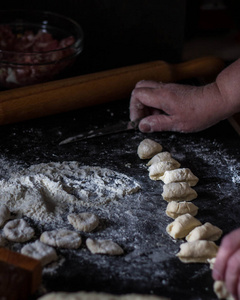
x,y
44,192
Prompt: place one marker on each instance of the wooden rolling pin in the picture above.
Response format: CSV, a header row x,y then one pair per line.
x,y
20,276
73,93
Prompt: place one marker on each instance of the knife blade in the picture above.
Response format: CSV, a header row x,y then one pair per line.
x,y
122,126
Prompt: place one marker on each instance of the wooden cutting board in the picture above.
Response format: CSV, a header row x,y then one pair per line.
x,y
20,275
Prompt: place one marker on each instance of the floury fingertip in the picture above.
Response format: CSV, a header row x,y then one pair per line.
x,y
145,127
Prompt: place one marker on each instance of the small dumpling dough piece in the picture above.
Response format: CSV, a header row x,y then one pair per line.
x,y
221,291
40,251
4,214
157,170
162,156
197,251
175,209
178,191
211,262
206,231
180,175
98,296
61,238
103,247
219,287
148,148
86,222
182,225
18,231
2,241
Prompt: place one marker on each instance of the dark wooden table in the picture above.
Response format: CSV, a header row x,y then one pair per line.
x,y
138,223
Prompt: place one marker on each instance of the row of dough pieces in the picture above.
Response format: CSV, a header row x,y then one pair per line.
x,y
178,191
20,231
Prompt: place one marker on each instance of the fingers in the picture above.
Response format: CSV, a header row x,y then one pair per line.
x,y
227,265
232,280
144,98
158,122
229,245
148,84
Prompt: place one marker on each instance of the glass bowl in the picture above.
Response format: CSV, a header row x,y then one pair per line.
x,y
36,46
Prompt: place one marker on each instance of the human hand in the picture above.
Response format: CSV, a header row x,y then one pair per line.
x,y
176,107
227,264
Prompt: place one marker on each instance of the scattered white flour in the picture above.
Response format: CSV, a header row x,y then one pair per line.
x,y
44,192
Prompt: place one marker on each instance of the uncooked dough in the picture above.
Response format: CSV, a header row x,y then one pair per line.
x,y
18,231
178,191
175,209
157,170
182,225
221,291
211,262
197,251
84,221
180,175
219,287
40,251
148,148
4,214
98,296
162,156
47,191
103,247
61,238
207,232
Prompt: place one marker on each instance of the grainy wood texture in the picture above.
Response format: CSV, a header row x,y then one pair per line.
x,y
96,88
20,276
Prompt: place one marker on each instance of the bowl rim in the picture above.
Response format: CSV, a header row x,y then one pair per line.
x,y
77,44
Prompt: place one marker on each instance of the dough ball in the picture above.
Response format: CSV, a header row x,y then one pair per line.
x,y
162,156
182,225
207,232
221,291
178,191
103,247
61,238
84,221
4,214
40,251
98,296
180,175
148,148
197,251
18,231
157,170
211,262
175,209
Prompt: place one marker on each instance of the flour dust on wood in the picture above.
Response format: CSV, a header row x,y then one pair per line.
x,y
47,191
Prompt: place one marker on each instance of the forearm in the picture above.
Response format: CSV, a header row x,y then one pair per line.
x,y
228,83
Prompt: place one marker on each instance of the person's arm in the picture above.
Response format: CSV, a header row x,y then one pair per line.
x,y
184,108
227,264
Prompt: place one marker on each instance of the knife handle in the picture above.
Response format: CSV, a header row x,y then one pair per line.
x,y
92,89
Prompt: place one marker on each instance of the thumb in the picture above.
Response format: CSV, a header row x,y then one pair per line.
x,y
157,123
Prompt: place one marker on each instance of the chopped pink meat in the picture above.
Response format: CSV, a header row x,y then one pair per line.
x,y
38,50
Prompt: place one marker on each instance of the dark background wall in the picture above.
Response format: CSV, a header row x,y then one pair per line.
x,y
125,32
120,32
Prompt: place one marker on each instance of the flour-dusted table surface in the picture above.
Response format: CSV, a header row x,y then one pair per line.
x,y
136,222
